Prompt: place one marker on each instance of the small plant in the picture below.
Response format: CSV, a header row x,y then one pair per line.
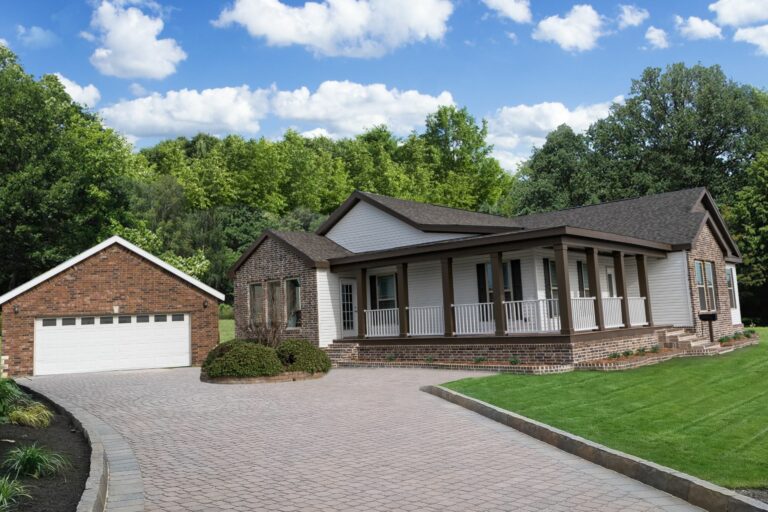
x,y
614,355
724,339
748,334
750,331
10,492
11,396
479,360
655,349
627,353
514,361
34,415
226,312
641,351
34,461
429,359
738,335
391,358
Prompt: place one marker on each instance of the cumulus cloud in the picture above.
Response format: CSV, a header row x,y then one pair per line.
x,y
656,37
515,130
516,10
35,37
352,28
577,31
696,28
87,95
128,42
757,36
137,89
632,16
739,13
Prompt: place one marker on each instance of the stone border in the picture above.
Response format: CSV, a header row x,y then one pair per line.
x,y
114,482
518,369
698,492
283,377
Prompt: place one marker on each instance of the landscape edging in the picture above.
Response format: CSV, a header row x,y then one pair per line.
x,y
281,377
701,493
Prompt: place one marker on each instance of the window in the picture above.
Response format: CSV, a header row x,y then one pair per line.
x,y
106,320
512,277
582,273
177,317
256,304
88,320
161,318
704,272
293,302
730,279
123,319
551,288
68,321
142,319
610,277
383,292
275,303
49,322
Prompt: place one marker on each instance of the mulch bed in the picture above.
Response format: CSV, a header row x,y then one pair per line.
x,y
60,493
758,494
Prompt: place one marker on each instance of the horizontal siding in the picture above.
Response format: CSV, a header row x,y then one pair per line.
x,y
670,296
328,307
425,284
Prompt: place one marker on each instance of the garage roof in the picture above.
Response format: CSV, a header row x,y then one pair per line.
x,y
98,248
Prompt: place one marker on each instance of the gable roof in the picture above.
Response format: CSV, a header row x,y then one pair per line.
x,y
315,249
97,249
424,216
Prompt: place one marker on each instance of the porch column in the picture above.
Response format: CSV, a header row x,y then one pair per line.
x,y
642,276
621,285
446,267
402,297
497,271
563,289
594,285
362,301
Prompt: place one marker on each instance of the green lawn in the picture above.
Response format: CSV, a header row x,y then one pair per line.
x,y
226,330
706,416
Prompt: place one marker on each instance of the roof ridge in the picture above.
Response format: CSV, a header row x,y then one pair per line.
x,y
465,210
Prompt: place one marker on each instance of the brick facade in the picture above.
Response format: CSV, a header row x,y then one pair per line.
x,y
273,261
112,278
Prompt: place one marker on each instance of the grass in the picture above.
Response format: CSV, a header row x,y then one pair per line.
x,y
704,416
226,330
10,492
33,460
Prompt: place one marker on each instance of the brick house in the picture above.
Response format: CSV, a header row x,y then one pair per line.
x,y
113,307
389,277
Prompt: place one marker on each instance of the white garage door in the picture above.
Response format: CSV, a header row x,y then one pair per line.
x,y
103,343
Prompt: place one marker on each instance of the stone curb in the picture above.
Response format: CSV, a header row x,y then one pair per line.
x,y
114,482
282,377
698,492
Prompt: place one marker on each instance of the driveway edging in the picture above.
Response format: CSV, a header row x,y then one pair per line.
x,y
701,493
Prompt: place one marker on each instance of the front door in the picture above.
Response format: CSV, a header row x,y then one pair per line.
x,y
348,308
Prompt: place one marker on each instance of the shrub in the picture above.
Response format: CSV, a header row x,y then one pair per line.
x,y
738,335
724,339
514,361
34,461
479,360
614,355
655,349
640,351
34,415
627,353
10,492
429,359
391,357
226,312
10,396
241,358
302,356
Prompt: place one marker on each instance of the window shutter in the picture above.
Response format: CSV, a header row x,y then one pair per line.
x,y
547,280
482,293
517,280
580,274
372,292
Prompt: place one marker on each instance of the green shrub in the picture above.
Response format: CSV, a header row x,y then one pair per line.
x,y
11,396
479,360
34,461
302,356
614,355
429,359
724,339
641,351
627,353
738,335
514,361
655,349
226,312
10,492
241,358
391,357
34,415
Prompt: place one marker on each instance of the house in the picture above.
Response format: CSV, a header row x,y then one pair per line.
x,y
385,277
113,307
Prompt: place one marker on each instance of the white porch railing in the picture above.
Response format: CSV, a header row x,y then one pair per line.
x,y
524,316
474,318
583,313
425,321
637,311
612,312
382,322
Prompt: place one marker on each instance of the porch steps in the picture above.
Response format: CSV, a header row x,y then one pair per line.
x,y
341,353
683,339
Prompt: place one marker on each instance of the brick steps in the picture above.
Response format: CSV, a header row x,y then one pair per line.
x,y
341,353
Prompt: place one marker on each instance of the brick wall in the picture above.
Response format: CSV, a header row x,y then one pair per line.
x,y
705,247
274,261
114,277
590,350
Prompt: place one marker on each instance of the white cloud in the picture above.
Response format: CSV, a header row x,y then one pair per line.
x,y
739,13
656,37
347,108
757,36
697,28
35,37
87,95
3,42
84,34
516,10
578,31
515,130
319,132
352,28
512,37
188,111
137,89
632,16
129,44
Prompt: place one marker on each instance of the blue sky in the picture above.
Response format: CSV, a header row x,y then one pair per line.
x,y
157,69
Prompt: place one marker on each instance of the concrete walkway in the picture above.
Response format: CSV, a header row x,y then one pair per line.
x,y
358,439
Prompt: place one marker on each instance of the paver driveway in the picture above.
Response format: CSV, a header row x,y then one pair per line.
x,y
358,439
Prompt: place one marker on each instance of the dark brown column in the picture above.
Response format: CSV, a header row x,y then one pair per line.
x,y
362,301
446,265
498,292
563,289
642,276
402,297
594,286
621,285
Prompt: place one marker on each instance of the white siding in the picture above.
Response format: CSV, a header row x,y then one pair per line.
x,y
465,279
328,307
366,228
669,290
425,284
735,312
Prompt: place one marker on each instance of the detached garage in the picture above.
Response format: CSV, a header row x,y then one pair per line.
x,y
113,307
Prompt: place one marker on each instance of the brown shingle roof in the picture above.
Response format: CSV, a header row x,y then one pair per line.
x,y
315,247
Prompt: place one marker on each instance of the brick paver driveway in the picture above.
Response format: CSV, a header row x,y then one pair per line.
x,y
358,439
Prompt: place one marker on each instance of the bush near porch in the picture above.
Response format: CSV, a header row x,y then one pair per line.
x,y
705,416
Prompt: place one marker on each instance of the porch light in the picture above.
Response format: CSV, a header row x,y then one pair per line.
x,y
16,309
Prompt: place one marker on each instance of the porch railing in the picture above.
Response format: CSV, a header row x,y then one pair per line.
x,y
382,322
425,321
637,311
524,316
612,312
474,318
583,313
